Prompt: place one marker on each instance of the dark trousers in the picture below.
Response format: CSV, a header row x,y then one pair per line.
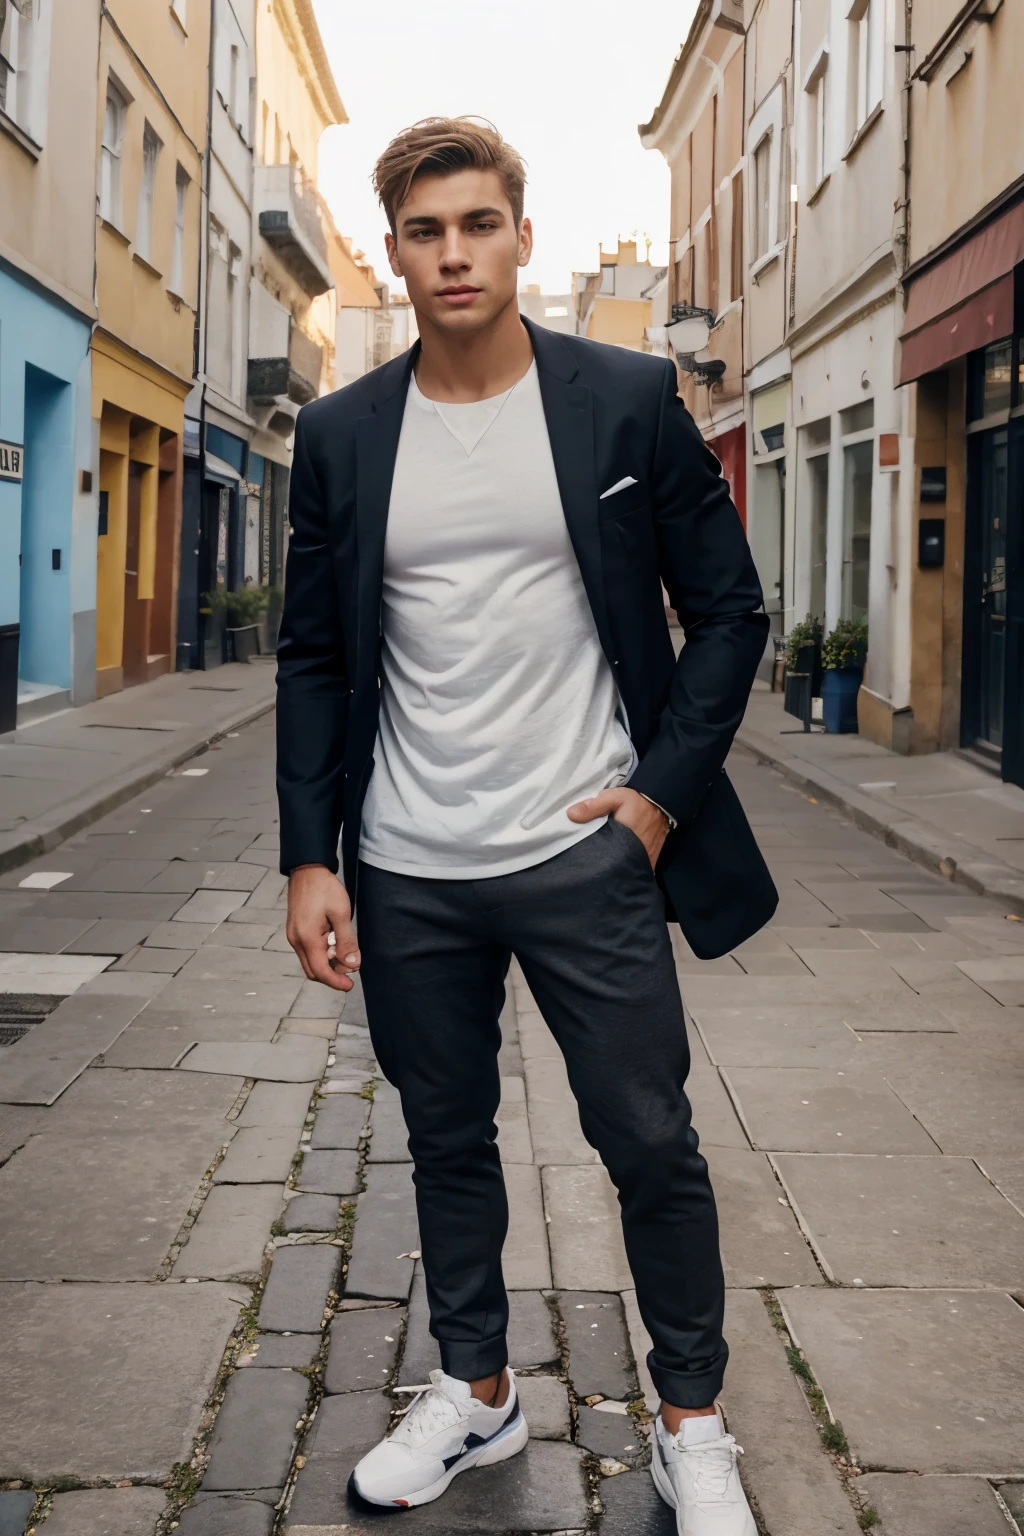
x,y
588,929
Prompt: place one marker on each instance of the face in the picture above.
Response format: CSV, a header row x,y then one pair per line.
x,y
458,249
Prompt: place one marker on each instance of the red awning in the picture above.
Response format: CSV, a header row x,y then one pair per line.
x,y
965,300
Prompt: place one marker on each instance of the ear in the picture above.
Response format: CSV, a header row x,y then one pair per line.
x,y
391,246
525,242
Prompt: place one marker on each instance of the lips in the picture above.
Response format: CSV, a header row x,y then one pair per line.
x,y
459,294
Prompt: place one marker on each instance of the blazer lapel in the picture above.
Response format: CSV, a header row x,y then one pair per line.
x,y
569,412
377,438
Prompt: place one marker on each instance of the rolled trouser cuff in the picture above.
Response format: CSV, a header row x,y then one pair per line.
x,y
472,1362
687,1389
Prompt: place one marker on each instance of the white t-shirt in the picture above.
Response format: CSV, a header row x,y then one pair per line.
x,y
498,707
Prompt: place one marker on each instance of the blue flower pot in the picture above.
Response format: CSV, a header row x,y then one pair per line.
x,y
839,689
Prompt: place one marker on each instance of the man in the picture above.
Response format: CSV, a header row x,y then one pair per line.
x,y
474,617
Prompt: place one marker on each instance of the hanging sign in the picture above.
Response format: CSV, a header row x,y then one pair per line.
x,y
12,461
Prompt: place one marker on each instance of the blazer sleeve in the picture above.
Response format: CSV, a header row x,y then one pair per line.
x,y
705,563
312,680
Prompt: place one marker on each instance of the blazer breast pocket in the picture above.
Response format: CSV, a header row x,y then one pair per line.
x,y
635,499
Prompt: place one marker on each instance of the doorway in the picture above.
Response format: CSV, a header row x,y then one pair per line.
x,y
44,578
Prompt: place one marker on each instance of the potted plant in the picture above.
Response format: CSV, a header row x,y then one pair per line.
x,y
212,618
244,610
803,659
842,658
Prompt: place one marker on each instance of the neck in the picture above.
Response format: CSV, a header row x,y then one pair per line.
x,y
459,369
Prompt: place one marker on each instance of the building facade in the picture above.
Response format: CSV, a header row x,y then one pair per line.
x,y
48,446
698,128
150,148
619,302
555,311
961,357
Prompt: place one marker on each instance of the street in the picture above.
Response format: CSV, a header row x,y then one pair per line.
x,y
208,1254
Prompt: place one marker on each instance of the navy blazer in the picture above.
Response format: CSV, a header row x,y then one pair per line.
x,y
610,414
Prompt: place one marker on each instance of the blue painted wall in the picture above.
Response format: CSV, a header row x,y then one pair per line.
x,y
43,346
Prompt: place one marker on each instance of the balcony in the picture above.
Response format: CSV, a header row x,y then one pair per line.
x,y
288,209
285,365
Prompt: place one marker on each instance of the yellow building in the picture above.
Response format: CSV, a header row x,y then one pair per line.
x,y
619,303
150,145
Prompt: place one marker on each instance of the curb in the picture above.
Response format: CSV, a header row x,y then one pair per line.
x,y
941,852
34,838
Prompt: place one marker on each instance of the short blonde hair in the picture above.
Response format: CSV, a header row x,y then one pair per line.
x,y
439,146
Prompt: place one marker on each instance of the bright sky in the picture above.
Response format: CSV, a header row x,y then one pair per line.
x,y
566,81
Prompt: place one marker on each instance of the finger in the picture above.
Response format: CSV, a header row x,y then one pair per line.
x,y
344,941
300,951
317,965
603,804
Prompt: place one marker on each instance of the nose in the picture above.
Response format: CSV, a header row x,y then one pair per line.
x,y
454,256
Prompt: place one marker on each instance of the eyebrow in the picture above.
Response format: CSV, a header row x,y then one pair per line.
x,y
427,219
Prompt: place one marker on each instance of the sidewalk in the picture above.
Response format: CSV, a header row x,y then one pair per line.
x,y
210,1276
59,773
941,810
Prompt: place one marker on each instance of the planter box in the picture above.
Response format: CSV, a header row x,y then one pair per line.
x,y
839,689
245,642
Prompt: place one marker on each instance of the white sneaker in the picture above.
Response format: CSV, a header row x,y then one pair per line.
x,y
702,1484
445,1431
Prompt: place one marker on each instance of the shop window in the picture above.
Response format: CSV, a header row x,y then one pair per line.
x,y
114,116
989,380
858,463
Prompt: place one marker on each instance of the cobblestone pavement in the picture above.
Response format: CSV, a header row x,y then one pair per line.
x,y
209,1278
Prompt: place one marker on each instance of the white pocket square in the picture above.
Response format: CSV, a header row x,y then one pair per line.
x,y
620,485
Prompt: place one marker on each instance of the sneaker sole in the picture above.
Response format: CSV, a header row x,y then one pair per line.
x,y
662,1482
504,1445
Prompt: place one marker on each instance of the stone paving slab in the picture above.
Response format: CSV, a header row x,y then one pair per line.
x,y
272,997
761,1241
714,1115
540,1490
329,1173
227,1516
311,1213
188,876
78,1364
46,935
339,1123
17,1123
389,1137
99,1207
1007,1173
179,934
554,1118
315,1001
386,1228
225,962
640,1346
104,1101
906,1221
281,1351
209,908
600,1358
791,1109
39,1068
633,1507
545,1407
231,1232
525,1258
324,1029
762,1037
933,1506
255,1430
284,1105
164,962
159,1040
296,1292
609,1434
295,1059
585,1230
363,1348
923,1381
1012,1495
513,1122
969,1113
106,1512
783,1464
257,1157
246,936
16,1505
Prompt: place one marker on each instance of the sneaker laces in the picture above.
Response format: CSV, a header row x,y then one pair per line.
x,y
712,1463
430,1411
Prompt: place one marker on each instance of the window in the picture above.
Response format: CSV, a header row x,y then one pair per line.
x,y
816,122
144,225
866,60
181,180
110,155
736,251
762,198
234,291
989,377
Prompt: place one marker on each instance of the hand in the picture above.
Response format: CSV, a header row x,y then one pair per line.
x,y
648,822
320,926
